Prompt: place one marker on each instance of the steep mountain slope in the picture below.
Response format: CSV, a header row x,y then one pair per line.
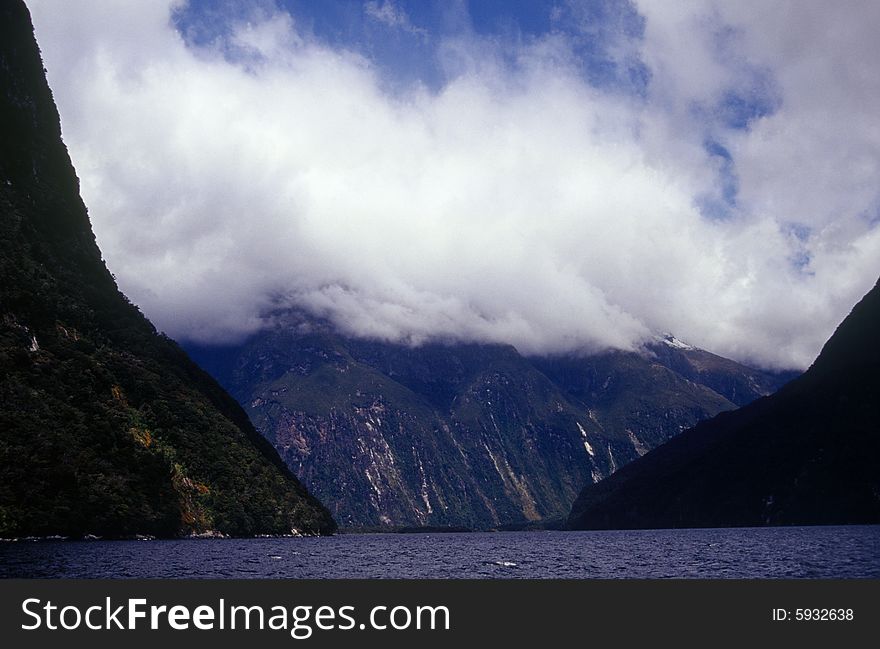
x,y
809,454
463,434
106,427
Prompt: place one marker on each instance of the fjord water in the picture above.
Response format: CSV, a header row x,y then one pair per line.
x,y
782,552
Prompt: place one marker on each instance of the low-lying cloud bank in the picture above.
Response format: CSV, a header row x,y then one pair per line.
x,y
734,202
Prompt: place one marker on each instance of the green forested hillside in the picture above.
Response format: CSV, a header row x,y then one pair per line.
x,y
106,427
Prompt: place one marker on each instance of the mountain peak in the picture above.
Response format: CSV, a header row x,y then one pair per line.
x,y
672,341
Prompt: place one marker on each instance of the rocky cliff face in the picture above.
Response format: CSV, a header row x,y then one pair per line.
x,y
106,427
807,455
466,434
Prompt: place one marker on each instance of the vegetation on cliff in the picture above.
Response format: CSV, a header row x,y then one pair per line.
x,y
106,426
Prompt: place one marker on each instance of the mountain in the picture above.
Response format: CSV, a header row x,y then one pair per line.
x,y
735,382
807,455
472,435
106,427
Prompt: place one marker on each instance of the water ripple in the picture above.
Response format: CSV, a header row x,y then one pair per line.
x,y
803,552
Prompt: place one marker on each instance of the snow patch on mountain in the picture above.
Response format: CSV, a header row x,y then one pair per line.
x,y
672,341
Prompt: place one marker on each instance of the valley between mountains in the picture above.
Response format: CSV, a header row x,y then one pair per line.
x,y
110,428
465,435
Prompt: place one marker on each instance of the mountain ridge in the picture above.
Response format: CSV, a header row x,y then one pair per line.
x,y
460,434
805,455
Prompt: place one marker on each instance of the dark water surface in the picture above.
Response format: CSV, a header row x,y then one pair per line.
x,y
809,552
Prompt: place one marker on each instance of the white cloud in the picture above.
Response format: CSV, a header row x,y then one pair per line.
x,y
812,163
391,15
522,207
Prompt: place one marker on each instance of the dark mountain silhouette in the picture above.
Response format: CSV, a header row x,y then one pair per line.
x,y
807,455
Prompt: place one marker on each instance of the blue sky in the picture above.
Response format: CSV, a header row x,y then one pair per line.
x,y
563,176
403,38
